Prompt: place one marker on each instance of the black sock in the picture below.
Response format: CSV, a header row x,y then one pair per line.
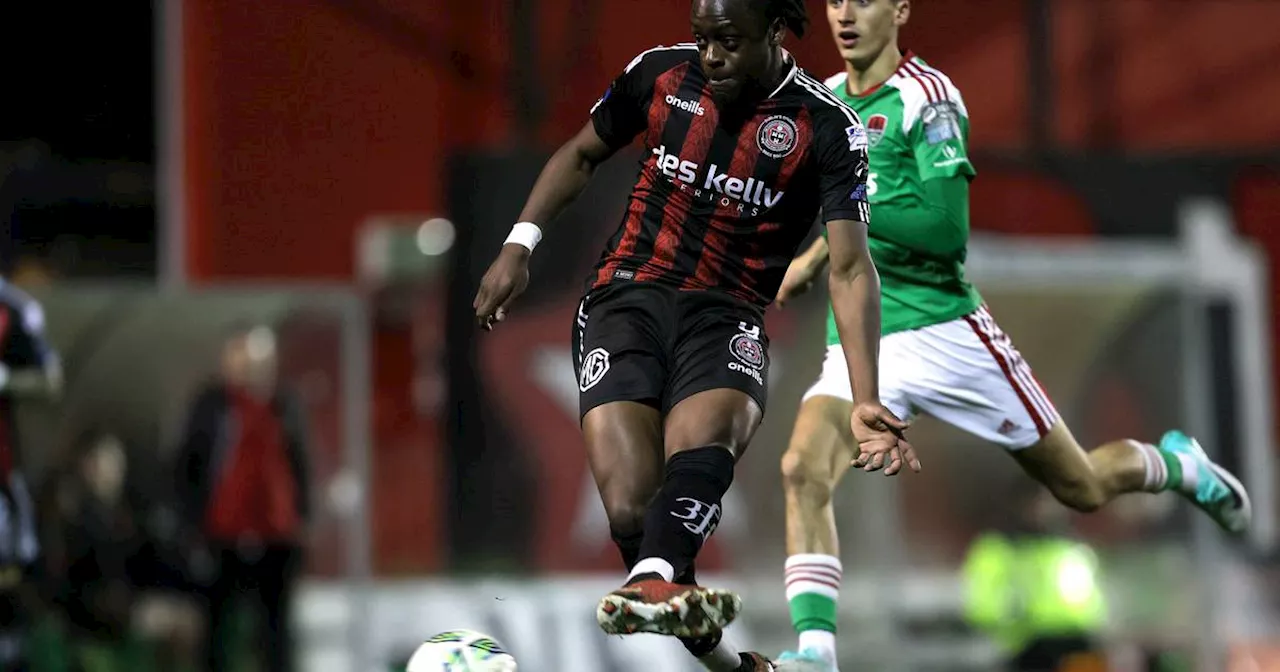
x,y
687,508
628,546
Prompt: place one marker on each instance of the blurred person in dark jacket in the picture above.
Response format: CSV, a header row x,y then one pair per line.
x,y
95,552
243,479
29,371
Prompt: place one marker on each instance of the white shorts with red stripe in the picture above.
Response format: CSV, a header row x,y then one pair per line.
x,y
965,372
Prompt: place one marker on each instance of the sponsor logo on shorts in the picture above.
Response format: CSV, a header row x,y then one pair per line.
x,y
755,375
594,365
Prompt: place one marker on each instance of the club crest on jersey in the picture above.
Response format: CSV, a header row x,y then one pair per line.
x,y
777,136
876,124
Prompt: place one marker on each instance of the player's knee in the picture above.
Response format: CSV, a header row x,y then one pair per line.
x,y
805,478
1080,494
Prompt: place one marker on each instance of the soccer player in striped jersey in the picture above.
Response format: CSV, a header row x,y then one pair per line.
x,y
942,352
742,151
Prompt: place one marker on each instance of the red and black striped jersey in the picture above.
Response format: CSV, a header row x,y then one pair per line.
x,y
723,201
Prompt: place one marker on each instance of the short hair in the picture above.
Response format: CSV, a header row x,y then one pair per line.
x,y
792,13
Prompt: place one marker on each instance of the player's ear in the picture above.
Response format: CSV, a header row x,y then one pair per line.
x,y
777,31
902,13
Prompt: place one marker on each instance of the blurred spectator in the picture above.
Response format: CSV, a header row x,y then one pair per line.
x,y
94,569
1035,590
244,485
29,370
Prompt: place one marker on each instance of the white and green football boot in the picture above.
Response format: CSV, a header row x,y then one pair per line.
x,y
1210,487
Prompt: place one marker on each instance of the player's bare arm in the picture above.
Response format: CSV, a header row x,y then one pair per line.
x,y
855,296
562,179
802,272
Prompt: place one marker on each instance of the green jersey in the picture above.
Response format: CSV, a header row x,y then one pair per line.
x,y
917,129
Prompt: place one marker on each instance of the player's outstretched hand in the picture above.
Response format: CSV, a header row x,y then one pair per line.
x,y
881,441
506,279
797,281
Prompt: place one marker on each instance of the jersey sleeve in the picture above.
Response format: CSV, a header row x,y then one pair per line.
x,y
841,148
622,112
26,345
939,138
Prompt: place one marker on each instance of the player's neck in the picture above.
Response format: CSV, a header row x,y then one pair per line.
x,y
863,78
781,68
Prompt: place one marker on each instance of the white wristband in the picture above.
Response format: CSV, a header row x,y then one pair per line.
x,y
525,233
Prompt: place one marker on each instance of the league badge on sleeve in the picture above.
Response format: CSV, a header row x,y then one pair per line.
x,y
941,122
857,137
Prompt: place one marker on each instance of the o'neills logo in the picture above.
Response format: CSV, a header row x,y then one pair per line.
x,y
687,105
717,185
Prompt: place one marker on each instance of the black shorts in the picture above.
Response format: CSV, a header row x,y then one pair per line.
x,y
653,344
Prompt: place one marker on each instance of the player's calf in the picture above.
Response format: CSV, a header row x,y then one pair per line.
x,y
813,465
1084,481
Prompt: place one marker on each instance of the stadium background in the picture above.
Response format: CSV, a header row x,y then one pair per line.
x,y
346,168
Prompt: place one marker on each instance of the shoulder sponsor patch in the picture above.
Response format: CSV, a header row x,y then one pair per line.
x,y
941,122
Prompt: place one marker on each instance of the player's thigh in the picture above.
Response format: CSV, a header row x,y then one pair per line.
x,y
624,451
968,374
1057,460
717,388
620,350
821,446
620,356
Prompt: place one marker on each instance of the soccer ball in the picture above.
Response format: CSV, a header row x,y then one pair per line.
x,y
461,651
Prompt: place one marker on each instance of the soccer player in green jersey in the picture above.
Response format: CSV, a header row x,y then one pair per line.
x,y
941,351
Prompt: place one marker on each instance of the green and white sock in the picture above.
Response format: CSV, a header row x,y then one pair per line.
x,y
813,591
1167,470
